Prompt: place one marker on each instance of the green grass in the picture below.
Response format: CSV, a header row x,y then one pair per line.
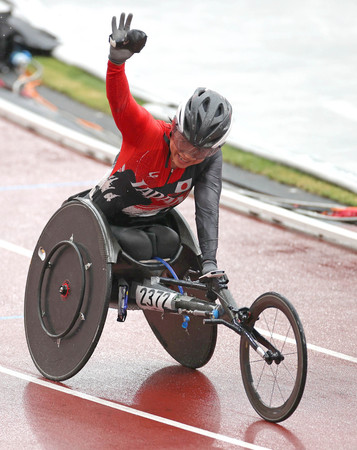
x,y
287,175
90,90
75,83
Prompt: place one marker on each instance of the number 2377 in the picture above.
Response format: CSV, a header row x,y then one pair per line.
x,y
153,298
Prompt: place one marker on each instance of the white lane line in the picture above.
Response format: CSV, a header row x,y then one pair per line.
x,y
128,410
316,348
15,248
24,252
11,317
313,347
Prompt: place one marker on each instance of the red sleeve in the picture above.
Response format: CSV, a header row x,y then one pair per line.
x,y
132,120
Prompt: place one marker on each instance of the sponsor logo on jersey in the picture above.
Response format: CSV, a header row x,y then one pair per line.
x,y
166,199
154,174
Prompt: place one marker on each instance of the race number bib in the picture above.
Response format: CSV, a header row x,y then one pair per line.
x,y
150,298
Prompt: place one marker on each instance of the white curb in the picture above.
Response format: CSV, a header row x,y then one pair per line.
x,y
289,219
58,133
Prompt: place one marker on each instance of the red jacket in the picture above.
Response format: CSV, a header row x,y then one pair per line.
x,y
142,183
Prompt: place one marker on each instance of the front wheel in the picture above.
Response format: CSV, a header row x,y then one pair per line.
x,y
274,390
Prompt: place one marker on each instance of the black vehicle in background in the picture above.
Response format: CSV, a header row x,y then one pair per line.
x,y
17,35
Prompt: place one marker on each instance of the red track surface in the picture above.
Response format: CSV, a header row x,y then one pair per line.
x,y
130,368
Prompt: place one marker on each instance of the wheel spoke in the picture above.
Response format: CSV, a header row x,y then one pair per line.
x,y
275,389
261,375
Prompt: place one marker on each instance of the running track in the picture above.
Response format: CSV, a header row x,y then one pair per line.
x,y
131,394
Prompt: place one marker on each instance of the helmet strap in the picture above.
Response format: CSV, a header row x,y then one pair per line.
x,y
167,140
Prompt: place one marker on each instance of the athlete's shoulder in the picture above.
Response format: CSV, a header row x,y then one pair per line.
x,y
214,160
165,126
159,127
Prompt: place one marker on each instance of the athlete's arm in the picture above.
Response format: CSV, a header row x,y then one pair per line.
x,y
132,119
207,194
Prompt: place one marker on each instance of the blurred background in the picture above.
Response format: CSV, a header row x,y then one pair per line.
x,y
288,68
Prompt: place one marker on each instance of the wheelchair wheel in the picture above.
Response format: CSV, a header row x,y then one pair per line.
x,y
67,292
194,347
275,390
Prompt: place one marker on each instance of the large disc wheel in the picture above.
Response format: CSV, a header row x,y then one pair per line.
x,y
275,389
194,347
67,292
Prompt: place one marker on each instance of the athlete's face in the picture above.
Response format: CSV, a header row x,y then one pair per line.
x,y
180,159
184,154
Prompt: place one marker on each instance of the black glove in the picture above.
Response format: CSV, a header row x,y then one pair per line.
x,y
123,41
208,266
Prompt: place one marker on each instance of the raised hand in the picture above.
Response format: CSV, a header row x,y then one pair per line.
x,y
119,36
123,41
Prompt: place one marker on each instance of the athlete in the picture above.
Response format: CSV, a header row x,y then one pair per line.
x,y
159,163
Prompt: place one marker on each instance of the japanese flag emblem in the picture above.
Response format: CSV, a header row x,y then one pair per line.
x,y
183,186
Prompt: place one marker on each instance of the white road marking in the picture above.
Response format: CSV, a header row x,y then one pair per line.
x,y
313,347
128,410
316,348
15,248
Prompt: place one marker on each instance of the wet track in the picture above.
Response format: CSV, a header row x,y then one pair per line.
x,y
131,394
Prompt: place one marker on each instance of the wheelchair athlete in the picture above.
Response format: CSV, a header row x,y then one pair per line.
x,y
159,162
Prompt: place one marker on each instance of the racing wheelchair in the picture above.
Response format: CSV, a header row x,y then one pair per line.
x,y
82,265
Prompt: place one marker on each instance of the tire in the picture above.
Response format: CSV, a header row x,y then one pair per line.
x,y
67,293
275,390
